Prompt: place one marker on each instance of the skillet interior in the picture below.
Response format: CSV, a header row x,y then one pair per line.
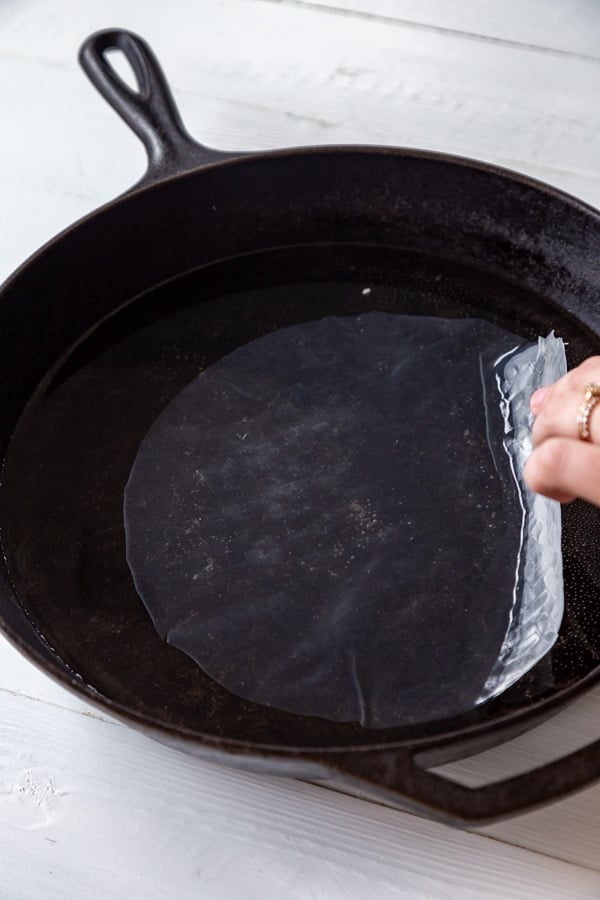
x,y
427,235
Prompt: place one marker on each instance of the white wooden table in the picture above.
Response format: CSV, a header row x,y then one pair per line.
x,y
88,808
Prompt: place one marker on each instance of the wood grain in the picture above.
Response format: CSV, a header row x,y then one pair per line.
x,y
88,807
305,77
541,25
99,806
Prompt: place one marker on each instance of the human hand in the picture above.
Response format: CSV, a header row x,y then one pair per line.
x,y
564,466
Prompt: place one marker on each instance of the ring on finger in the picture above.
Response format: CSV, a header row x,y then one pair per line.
x,y
591,397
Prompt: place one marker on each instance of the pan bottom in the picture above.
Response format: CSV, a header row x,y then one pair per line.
x,y
61,499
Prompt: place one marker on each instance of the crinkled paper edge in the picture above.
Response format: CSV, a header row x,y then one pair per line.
x,y
538,597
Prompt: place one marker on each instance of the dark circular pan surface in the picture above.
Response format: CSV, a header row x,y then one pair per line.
x,y
70,457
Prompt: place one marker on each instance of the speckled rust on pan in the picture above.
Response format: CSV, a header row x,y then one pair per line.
x,y
229,235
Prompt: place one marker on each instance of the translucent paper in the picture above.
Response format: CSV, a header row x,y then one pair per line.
x,y
332,519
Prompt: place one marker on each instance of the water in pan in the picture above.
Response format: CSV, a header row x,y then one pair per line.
x,y
62,494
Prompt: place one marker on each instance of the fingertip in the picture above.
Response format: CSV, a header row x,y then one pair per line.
x,y
563,469
544,468
565,499
530,474
536,400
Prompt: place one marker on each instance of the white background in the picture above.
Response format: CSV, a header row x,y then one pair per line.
x,y
89,808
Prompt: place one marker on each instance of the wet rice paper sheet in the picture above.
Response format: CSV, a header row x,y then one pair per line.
x,y
332,519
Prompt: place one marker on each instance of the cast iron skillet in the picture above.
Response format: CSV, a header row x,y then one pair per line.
x,y
215,249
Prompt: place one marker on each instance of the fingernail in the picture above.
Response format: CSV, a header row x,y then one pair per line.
x,y
536,400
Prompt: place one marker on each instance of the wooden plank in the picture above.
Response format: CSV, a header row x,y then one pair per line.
x,y
545,24
257,76
89,808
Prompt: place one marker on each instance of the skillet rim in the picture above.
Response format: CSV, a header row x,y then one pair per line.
x,y
142,721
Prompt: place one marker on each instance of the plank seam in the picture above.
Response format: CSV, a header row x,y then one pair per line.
x,y
434,29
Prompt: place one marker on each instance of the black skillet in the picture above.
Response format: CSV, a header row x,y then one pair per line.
x,y
216,249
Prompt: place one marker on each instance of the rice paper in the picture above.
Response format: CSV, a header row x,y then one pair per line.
x,y
332,520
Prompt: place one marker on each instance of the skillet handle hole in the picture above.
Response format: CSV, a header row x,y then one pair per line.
x,y
125,71
122,69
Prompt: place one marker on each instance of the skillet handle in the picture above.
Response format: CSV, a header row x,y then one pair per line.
x,y
150,111
394,777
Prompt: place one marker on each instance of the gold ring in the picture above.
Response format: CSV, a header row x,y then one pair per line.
x,y
590,399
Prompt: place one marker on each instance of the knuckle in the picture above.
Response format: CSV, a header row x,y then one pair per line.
x,y
546,464
553,456
546,422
